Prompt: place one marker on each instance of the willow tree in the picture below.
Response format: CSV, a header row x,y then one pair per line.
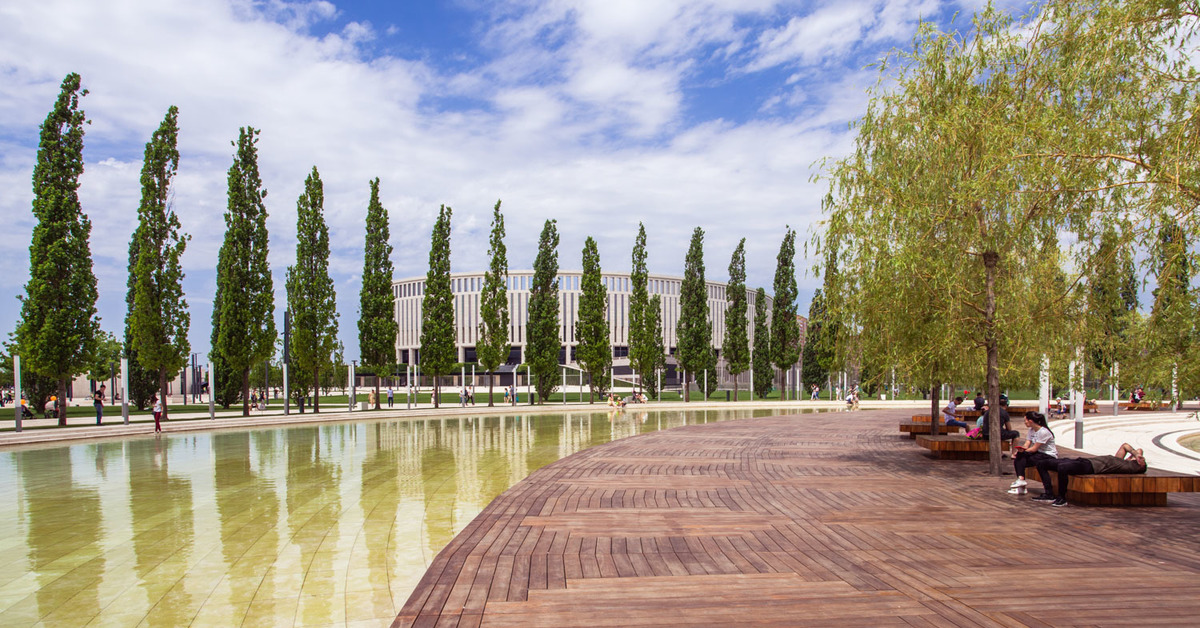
x,y
595,351
494,346
544,341
376,315
438,346
1112,294
1172,322
56,333
160,317
311,297
736,344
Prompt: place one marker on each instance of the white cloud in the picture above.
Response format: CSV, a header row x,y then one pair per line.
x,y
580,115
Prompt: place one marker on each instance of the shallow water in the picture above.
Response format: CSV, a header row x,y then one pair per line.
x,y
313,525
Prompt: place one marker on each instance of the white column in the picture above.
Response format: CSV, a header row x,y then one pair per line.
x,y
212,388
1044,385
1116,388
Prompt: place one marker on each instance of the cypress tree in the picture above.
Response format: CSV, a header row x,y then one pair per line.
x,y
785,329
544,343
142,381
761,359
310,293
595,350
57,330
493,347
653,357
695,330
376,317
737,342
644,353
244,305
438,348
160,317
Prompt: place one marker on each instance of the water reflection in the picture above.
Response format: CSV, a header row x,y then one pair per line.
x,y
314,525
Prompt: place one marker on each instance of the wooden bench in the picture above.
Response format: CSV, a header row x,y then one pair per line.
x,y
961,414
1122,489
957,447
1144,405
913,428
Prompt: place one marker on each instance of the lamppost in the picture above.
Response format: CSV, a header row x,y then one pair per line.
x,y
112,383
195,379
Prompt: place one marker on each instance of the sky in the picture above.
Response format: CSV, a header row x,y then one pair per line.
x,y
598,114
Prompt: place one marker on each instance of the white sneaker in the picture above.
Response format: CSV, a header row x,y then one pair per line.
x,y
1016,490
1017,483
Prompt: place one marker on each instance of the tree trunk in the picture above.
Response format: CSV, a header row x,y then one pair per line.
x,y
61,411
437,391
316,404
990,260
246,391
934,414
687,387
735,386
162,391
591,390
491,384
376,391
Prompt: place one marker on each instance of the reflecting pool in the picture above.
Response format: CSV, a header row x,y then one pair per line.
x,y
305,526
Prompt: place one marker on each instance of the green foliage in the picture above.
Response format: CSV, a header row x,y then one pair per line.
x,y
736,344
493,347
58,325
244,305
311,296
647,355
1112,299
142,381
595,351
694,330
818,346
376,319
761,358
785,329
160,320
438,349
544,344
106,358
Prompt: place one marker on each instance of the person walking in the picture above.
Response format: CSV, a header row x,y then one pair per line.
x,y
98,401
156,407
390,396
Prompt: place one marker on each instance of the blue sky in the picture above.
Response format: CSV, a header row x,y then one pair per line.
x,y
596,113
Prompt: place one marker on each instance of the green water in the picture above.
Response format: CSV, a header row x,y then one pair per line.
x,y
317,525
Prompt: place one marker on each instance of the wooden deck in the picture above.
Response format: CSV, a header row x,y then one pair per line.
x,y
829,520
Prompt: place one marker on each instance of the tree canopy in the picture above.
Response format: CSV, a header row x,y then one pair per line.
x,y
736,344
438,347
594,352
56,333
544,344
494,347
376,306
160,318
312,299
694,329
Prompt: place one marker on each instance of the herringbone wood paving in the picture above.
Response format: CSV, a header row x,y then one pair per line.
x,y
826,519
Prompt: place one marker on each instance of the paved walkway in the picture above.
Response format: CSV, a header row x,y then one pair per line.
x,y
828,519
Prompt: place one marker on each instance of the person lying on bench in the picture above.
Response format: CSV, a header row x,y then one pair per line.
x,y
1127,460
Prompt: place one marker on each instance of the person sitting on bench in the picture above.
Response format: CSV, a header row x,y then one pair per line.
x,y
950,413
1038,446
1127,460
1006,431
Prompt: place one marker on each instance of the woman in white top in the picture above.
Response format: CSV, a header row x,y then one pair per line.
x,y
1038,445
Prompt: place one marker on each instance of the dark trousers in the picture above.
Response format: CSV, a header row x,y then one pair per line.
x,y
1066,467
1024,459
99,412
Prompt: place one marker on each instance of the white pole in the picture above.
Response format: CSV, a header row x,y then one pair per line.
x,y
1116,388
706,384
125,390
659,389
18,407
1078,396
1044,386
564,387
1175,386
408,385
212,388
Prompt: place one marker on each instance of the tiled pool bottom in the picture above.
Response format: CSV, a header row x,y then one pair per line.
x,y
307,526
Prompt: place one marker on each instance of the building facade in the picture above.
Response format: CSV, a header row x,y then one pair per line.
x,y
466,288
